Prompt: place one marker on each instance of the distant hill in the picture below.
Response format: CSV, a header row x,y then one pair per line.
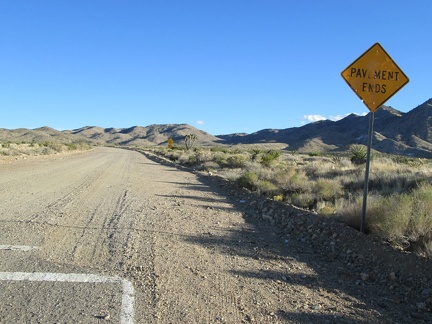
x,y
143,136
394,132
41,134
133,136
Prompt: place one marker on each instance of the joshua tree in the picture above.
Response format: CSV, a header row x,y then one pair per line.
x,y
190,140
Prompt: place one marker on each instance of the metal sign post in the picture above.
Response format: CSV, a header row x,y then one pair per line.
x,y
366,182
374,77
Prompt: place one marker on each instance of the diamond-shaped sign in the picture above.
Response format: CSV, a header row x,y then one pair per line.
x,y
374,77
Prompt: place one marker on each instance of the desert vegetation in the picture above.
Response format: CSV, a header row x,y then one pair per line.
x,y
40,148
190,140
400,191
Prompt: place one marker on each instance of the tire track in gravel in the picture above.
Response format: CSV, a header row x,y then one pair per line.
x,y
88,235
90,211
45,184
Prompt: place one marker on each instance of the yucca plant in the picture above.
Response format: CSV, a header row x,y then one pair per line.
x,y
358,153
271,156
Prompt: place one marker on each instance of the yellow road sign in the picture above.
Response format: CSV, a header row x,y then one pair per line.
x,y
374,77
170,143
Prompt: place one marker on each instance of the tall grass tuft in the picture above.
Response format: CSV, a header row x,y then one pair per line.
x,y
405,220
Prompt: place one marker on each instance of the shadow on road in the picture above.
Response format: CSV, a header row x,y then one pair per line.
x,y
321,271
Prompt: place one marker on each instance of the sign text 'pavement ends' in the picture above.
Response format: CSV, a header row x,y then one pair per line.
x,y
374,77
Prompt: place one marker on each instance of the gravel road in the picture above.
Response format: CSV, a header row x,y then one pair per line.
x,y
110,236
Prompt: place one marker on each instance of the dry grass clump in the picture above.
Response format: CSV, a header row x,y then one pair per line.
x,y
405,220
400,194
327,189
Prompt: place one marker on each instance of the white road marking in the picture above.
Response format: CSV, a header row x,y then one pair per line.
x,y
128,299
24,248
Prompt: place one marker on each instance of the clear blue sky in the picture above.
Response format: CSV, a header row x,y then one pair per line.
x,y
222,66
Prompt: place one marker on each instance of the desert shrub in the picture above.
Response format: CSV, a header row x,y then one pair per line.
x,y
299,182
248,180
255,153
262,173
279,197
344,163
315,154
211,166
292,180
237,161
283,177
270,157
389,217
202,156
327,189
230,174
74,146
304,200
53,147
390,183
320,168
184,158
358,153
325,209
221,158
387,165
402,219
421,221
337,159
192,160
410,161
173,155
349,210
266,187
219,149
47,151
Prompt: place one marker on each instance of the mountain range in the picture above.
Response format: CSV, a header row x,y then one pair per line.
x,y
394,132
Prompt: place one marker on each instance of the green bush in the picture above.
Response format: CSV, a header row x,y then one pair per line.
x,y
388,217
248,180
255,153
402,219
270,157
358,153
202,156
284,177
421,220
266,187
79,145
56,147
237,161
299,182
304,200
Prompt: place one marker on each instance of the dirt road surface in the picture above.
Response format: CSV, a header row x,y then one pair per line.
x,y
110,236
